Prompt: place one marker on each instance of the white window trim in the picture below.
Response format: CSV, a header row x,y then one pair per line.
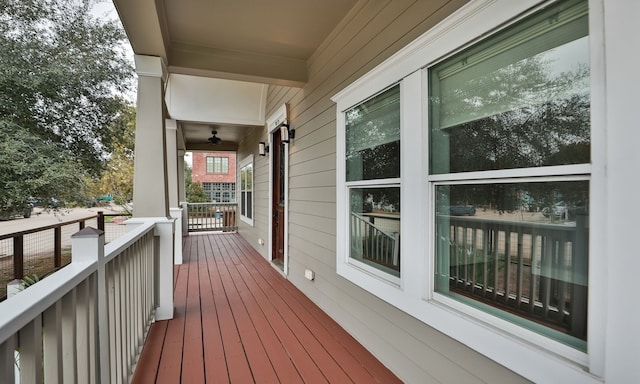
x,y
533,356
246,161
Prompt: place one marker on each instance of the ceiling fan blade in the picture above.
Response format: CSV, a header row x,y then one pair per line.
x,y
214,139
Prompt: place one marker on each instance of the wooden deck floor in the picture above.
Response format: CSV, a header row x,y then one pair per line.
x,y
237,320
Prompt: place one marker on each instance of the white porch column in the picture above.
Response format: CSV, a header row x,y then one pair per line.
x,y
172,161
173,181
150,187
182,195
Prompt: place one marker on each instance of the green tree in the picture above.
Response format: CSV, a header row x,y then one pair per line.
x,y
61,70
31,167
117,178
194,191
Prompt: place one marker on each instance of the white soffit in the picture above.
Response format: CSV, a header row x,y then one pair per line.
x,y
218,101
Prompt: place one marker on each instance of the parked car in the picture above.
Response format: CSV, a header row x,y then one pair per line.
x,y
565,211
556,211
11,213
48,203
462,210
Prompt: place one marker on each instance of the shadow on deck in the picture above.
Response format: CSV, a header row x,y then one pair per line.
x,y
237,320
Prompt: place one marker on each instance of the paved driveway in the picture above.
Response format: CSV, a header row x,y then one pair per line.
x,y
41,218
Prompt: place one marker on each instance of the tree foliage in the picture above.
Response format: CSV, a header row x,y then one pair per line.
x,y
194,191
31,167
518,116
117,178
61,70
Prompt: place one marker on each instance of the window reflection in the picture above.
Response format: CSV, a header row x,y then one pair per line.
x,y
373,138
520,99
524,249
375,227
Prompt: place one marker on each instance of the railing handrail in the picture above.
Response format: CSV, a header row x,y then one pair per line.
x,y
18,311
211,203
56,225
118,245
15,313
45,227
523,223
210,216
370,224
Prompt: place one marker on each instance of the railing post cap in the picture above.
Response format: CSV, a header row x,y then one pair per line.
x,y
88,232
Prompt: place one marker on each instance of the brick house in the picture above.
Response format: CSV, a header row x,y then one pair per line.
x,y
216,172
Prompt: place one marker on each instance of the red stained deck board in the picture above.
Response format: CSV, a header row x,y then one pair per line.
x,y
273,348
237,320
262,370
214,358
315,350
192,356
296,351
147,368
346,351
237,364
171,359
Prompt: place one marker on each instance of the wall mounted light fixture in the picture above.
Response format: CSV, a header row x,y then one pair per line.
x,y
286,134
263,148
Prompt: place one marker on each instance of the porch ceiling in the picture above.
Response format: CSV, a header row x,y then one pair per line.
x,y
250,41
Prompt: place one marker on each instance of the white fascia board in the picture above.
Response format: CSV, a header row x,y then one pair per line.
x,y
219,101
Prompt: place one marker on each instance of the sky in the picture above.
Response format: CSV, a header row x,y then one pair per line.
x,y
105,9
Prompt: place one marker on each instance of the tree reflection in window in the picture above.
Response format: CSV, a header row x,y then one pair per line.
x,y
373,138
520,99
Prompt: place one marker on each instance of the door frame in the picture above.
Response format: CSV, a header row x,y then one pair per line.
x,y
279,117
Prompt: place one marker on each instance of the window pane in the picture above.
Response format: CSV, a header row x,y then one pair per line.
x,y
224,168
217,165
249,170
521,248
375,227
246,188
243,204
373,138
249,206
519,99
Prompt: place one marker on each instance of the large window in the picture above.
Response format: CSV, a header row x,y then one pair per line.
x,y
217,164
372,137
516,102
493,109
246,190
220,192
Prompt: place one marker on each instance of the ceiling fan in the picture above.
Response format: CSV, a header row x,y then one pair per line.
x,y
214,139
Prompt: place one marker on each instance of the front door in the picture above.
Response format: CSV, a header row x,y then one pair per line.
x,y
278,202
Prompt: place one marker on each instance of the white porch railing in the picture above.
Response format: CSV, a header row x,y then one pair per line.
x,y
210,216
87,322
371,242
535,270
